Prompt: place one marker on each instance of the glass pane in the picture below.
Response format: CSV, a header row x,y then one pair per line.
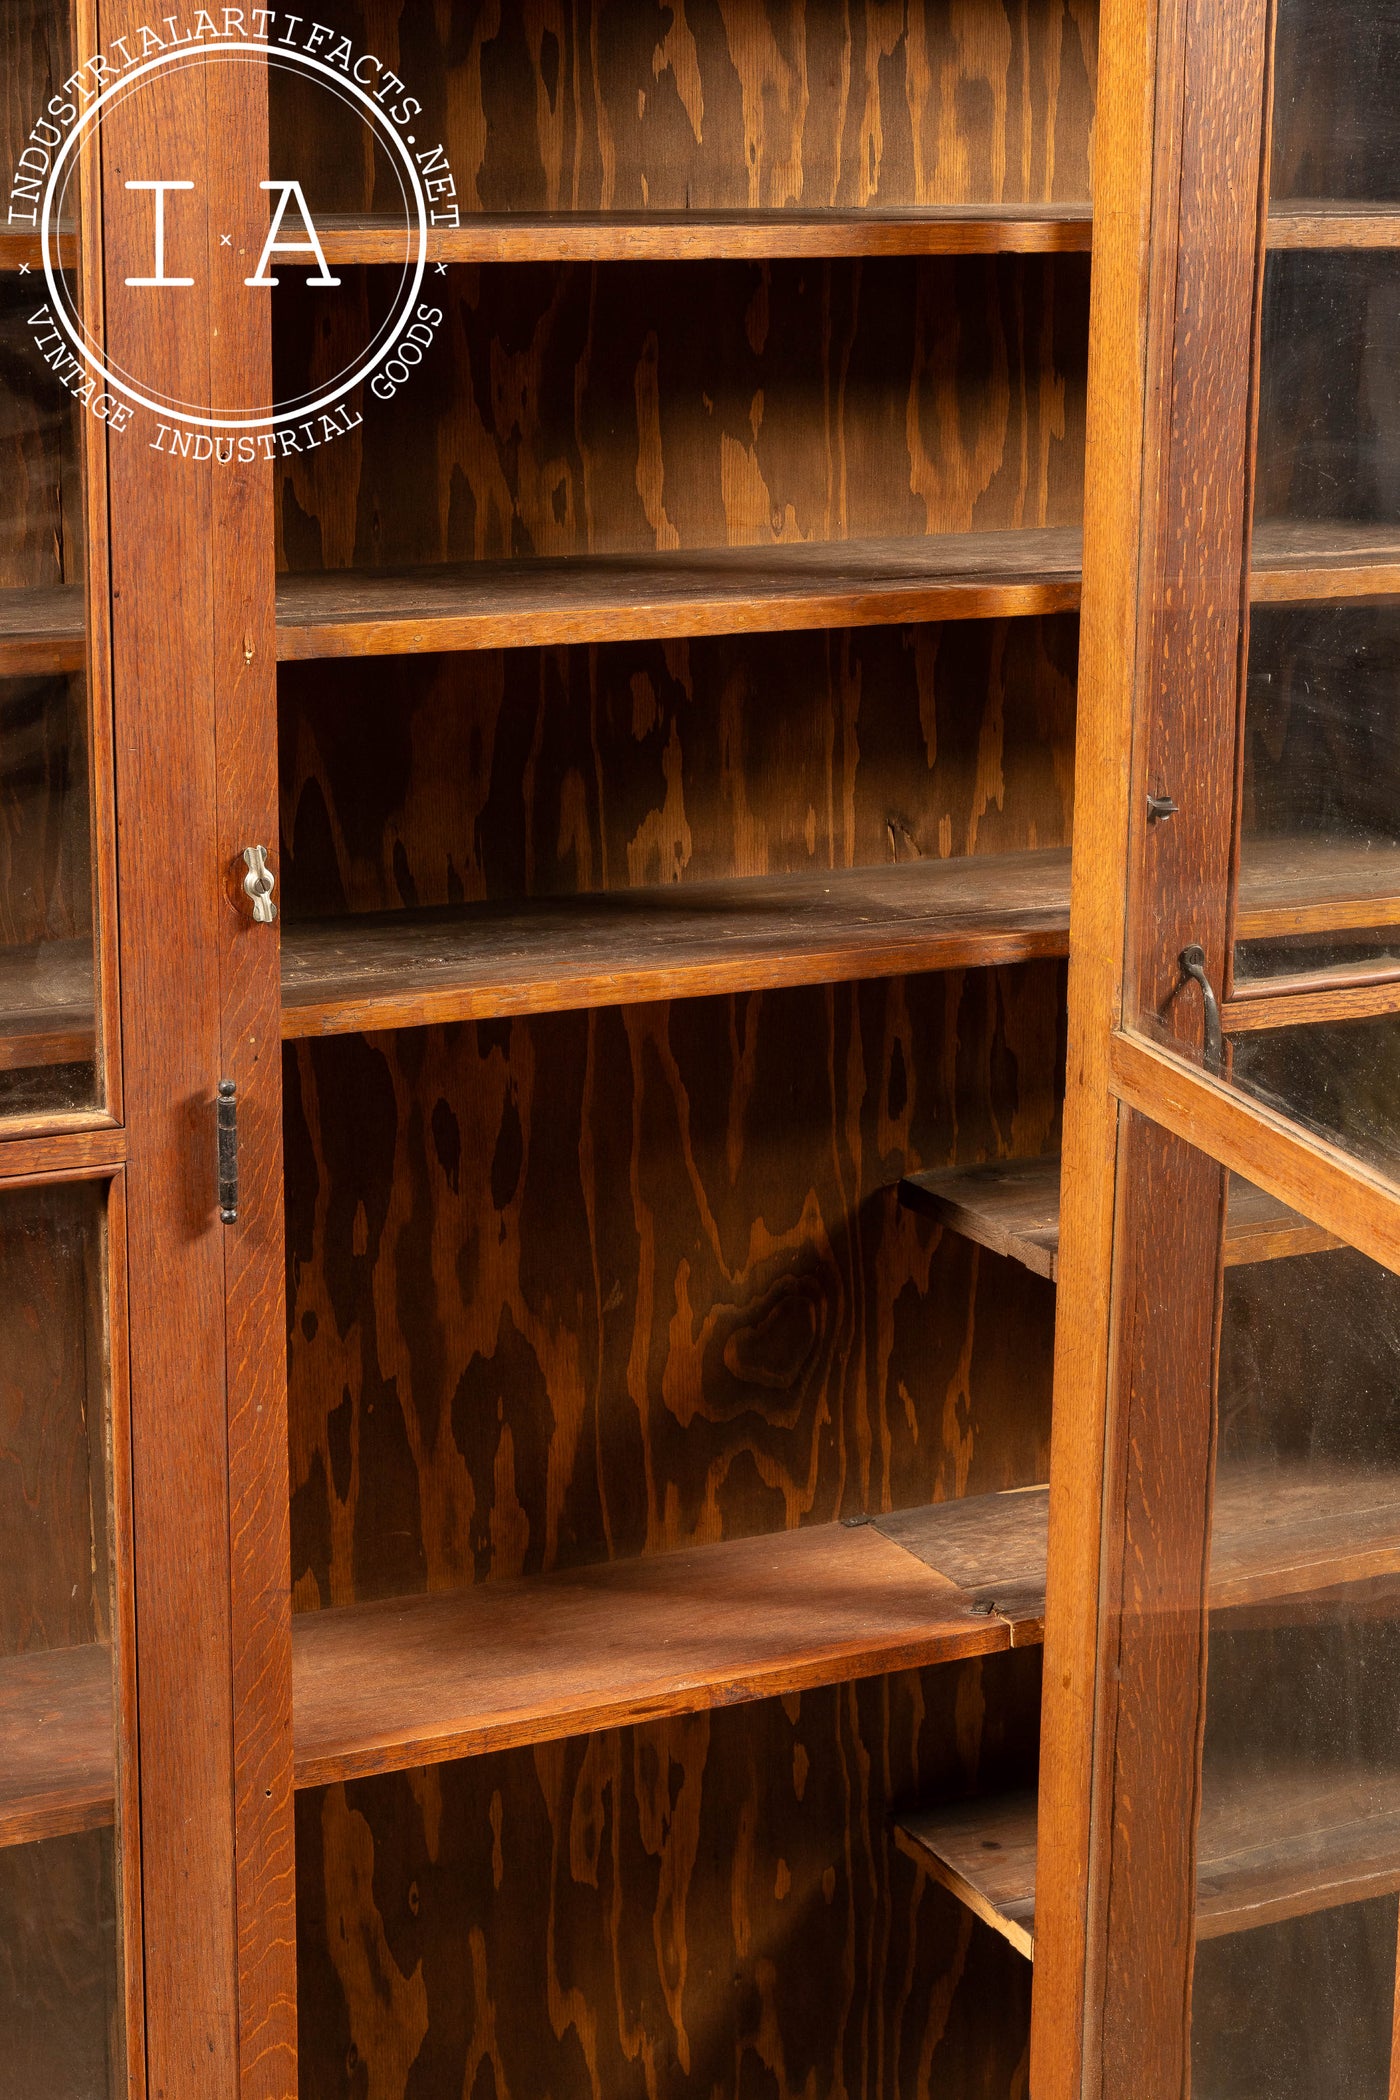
x,y
1322,794
48,1048
61,2011
1336,120
1319,868
1298,1848
1340,1078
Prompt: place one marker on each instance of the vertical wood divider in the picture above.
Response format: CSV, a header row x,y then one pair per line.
x,y
1177,186
194,686
245,696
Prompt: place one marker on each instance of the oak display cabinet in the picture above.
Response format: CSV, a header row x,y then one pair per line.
x,y
648,1327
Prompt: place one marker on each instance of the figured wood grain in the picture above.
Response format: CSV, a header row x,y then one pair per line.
x,y
559,237
804,104
57,1742
599,769
533,1323
382,1687
635,409
1012,1207
1273,1843
424,968
713,1896
591,598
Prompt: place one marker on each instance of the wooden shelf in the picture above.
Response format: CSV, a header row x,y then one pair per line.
x,y
380,1687
42,632
1316,885
731,590
19,250
1281,1534
1321,222
410,969
56,1743
696,236
1012,1207
405,969
744,590
1296,564
46,1004
1273,1843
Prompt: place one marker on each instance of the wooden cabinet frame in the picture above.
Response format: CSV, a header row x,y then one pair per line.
x,y
1179,250
186,625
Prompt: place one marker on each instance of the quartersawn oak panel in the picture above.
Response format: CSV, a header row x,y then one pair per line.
x,y
633,408
611,1282
610,767
705,1905
632,105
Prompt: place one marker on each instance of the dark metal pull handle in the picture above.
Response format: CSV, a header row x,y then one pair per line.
x,y
227,1116
1193,965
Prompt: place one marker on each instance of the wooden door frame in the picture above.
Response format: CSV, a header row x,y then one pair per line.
x,y
194,710
1178,252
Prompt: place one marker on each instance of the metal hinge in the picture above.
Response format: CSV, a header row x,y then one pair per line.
x,y
227,1117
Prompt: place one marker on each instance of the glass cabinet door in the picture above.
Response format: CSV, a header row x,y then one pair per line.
x,y
67,1909
57,984
1239,1767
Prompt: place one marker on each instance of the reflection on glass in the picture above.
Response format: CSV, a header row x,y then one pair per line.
x,y
1336,119
1339,1078
1329,407
1321,815
60,1973
47,1002
1299,1835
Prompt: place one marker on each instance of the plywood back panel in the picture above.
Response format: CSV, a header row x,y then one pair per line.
x,y
693,1910
599,1284
439,780
630,408
629,105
